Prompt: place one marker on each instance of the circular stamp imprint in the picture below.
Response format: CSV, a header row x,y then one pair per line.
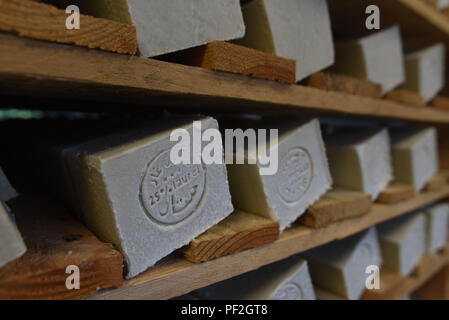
x,y
171,193
295,176
289,291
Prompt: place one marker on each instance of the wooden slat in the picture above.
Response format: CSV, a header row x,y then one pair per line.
x,y
56,241
336,205
440,101
406,97
175,276
238,232
42,21
437,288
396,192
344,83
229,57
25,69
430,14
432,3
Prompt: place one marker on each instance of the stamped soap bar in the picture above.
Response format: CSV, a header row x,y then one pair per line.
x,y
293,29
340,266
167,26
377,58
301,178
403,242
133,195
437,226
285,280
415,155
425,71
360,160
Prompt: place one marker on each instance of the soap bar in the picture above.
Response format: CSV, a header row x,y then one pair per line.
x,y
360,160
12,245
437,222
377,58
168,26
132,195
340,266
425,71
415,155
285,280
7,192
293,29
301,179
403,242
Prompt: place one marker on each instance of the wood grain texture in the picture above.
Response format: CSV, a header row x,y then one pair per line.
x,y
396,192
56,241
334,206
229,57
343,83
44,22
82,74
395,287
176,276
437,288
406,97
238,232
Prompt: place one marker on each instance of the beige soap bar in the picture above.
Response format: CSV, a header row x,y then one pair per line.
x,y
437,223
131,194
293,29
285,280
301,178
425,71
415,155
360,160
377,58
167,26
403,242
340,266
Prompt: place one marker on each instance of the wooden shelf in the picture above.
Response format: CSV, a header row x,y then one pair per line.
x,y
430,14
44,71
421,24
175,276
396,287
41,69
